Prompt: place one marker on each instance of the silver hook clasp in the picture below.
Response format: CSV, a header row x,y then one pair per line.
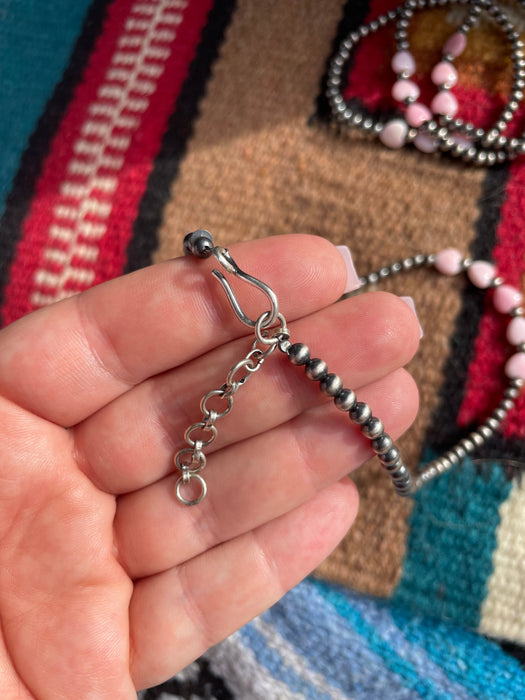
x,y
224,257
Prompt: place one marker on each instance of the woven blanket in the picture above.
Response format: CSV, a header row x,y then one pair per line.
x,y
128,123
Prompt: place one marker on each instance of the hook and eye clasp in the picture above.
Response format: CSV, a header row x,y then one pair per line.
x,y
200,244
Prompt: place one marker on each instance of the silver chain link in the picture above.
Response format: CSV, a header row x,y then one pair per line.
x,y
192,460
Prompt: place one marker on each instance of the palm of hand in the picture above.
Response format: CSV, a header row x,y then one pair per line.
x,y
107,584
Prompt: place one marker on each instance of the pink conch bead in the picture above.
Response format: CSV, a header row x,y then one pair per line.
x,y
506,298
449,261
416,114
481,274
516,331
444,103
444,74
456,44
425,143
403,62
515,367
404,89
394,133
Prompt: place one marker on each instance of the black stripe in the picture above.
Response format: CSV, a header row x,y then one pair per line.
x,y
24,184
444,431
200,683
175,140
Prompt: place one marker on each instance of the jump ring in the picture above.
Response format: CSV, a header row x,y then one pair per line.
x,y
191,501
202,426
186,467
220,393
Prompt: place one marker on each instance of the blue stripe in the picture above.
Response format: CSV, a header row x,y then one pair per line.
x,y
343,604
451,542
479,664
36,40
276,665
334,648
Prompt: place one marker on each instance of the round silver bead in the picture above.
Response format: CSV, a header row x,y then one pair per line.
x,y
345,399
390,457
316,369
360,413
485,431
298,354
372,428
331,385
382,444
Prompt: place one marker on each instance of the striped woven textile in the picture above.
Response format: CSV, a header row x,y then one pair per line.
x,y
127,123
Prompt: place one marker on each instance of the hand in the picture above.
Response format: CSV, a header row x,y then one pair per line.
x,y
107,583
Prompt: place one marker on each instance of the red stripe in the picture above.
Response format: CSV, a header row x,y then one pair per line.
x,y
485,375
26,272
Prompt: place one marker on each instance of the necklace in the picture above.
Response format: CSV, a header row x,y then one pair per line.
x,y
435,127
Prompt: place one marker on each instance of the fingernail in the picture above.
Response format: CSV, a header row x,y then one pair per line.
x,y
352,278
410,302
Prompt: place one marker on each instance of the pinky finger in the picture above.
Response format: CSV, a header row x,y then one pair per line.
x,y
178,614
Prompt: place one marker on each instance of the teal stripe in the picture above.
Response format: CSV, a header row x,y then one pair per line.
x,y
36,40
479,664
386,649
451,541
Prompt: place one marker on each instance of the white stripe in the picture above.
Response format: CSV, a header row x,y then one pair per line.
x,y
111,92
91,230
55,255
119,74
165,35
61,211
246,677
95,128
39,299
89,253
136,25
152,70
171,18
137,104
142,8
111,162
295,662
79,191
96,208
61,233
44,278
86,148
125,58
129,40
157,52
145,87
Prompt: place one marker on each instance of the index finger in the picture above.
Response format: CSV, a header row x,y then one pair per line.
x,y
66,361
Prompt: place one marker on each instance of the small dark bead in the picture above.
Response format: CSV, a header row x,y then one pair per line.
x,y
331,385
198,243
316,369
390,457
392,468
382,444
299,354
373,428
360,413
345,399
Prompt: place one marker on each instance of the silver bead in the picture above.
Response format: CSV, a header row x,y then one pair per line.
x,y
382,444
298,354
499,414
485,431
492,423
373,428
345,399
360,413
316,369
198,243
331,385
390,457
506,404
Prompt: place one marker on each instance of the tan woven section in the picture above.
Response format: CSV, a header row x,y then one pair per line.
x,y
255,167
503,610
